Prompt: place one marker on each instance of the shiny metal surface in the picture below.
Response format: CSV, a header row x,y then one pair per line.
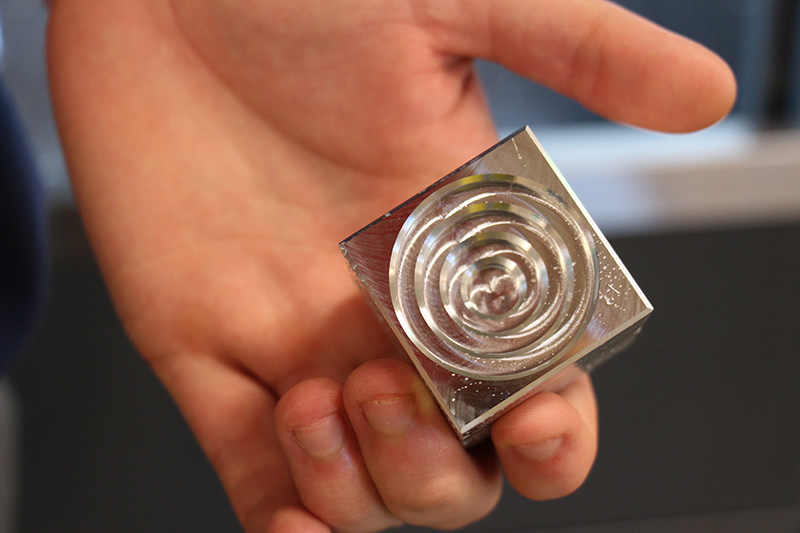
x,y
497,283
502,276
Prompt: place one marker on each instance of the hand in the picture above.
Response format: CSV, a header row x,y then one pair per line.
x,y
221,149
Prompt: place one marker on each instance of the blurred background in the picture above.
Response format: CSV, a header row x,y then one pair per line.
x,y
700,419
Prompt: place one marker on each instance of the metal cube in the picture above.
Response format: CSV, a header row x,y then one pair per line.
x,y
497,284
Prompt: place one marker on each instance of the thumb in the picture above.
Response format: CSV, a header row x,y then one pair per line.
x,y
612,61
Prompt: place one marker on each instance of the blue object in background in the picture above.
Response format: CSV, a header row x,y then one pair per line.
x,y
22,236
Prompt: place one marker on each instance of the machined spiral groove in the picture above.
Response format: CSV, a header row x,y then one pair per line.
x,y
494,276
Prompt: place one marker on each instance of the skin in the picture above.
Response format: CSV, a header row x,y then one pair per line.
x,y
221,149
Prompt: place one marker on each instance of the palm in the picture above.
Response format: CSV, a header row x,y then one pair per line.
x,y
266,252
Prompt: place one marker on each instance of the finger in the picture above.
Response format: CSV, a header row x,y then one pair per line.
x,y
232,417
612,61
580,394
548,443
422,472
326,463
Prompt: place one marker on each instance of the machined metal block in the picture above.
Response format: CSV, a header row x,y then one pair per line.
x,y
497,284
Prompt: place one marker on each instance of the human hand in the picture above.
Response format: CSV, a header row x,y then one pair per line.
x,y
220,151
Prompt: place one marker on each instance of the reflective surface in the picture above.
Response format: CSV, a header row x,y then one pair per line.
x,y
497,283
502,276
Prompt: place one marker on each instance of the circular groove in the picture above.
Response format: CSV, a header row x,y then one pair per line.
x,y
493,276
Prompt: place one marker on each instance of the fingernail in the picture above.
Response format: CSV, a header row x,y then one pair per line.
x,y
390,417
541,451
321,439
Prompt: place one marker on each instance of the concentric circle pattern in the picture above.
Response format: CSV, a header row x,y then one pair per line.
x,y
493,276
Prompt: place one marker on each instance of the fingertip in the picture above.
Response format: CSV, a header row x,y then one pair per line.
x,y
309,416
539,418
715,97
654,79
382,380
580,394
308,402
697,91
545,447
